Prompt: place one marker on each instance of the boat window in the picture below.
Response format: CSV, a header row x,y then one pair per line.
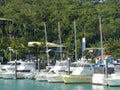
x,y
9,63
62,64
23,70
73,65
86,65
16,63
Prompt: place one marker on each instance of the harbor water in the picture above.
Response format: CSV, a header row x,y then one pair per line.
x,y
23,84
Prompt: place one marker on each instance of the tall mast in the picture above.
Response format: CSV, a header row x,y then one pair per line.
x,y
76,58
60,42
101,40
46,41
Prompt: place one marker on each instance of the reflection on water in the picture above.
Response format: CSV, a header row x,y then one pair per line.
x,y
36,85
98,87
101,87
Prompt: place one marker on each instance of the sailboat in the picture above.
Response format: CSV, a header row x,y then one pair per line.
x,y
100,77
82,73
41,76
60,66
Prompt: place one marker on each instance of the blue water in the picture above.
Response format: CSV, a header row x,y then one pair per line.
x,y
36,85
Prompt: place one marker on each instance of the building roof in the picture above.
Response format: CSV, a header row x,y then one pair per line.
x,y
103,56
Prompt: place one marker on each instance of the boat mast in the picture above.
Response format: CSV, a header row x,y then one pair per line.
x,y
101,41
46,41
76,58
60,42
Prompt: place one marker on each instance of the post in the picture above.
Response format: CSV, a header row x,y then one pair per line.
x,y
38,65
68,66
15,77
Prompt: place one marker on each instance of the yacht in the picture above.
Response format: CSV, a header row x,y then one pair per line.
x,y
82,74
18,69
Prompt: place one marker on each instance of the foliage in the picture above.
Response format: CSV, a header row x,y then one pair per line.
x,y
29,17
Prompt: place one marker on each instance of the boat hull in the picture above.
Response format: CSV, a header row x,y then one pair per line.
x,y
11,75
77,78
40,77
8,75
99,79
113,81
54,79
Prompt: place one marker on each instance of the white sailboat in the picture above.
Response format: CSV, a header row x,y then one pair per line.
x,y
55,74
100,78
60,66
41,76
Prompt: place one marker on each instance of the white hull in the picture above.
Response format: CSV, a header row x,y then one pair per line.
x,y
41,77
114,80
99,79
11,75
54,78
77,78
8,75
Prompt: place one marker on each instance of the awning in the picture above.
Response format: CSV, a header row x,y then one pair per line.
x,y
31,44
54,45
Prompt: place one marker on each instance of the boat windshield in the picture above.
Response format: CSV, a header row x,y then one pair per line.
x,y
84,65
16,63
73,65
9,63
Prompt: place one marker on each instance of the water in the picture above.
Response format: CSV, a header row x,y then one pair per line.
x,y
36,85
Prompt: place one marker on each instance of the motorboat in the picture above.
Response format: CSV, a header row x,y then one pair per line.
x,y
18,69
82,74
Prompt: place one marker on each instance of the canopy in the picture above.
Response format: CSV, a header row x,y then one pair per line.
x,y
31,44
54,45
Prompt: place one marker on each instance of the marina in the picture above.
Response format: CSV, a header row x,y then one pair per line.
x,y
59,45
